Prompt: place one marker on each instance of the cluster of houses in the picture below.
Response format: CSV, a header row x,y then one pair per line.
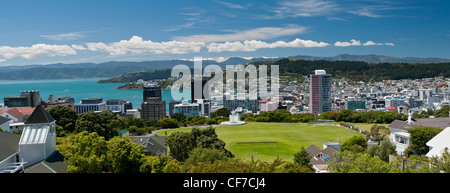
x,y
399,136
34,151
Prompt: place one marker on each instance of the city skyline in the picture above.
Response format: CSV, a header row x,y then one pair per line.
x,y
39,32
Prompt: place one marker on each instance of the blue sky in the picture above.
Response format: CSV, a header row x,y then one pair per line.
x,y
46,32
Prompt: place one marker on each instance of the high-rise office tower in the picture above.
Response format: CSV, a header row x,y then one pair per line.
x,y
153,107
152,90
320,92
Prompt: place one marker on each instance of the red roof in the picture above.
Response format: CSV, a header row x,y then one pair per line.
x,y
18,112
25,110
391,108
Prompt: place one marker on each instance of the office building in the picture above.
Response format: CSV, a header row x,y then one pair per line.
x,y
55,100
355,103
244,103
90,104
320,92
152,90
187,109
116,105
153,107
25,99
172,104
15,101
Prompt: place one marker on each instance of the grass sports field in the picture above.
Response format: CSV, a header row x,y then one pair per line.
x,y
271,139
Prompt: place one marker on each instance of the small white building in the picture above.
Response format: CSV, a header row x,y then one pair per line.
x,y
187,108
38,140
399,129
116,105
35,150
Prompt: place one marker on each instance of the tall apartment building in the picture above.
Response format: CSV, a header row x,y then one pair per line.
x,y
153,107
320,92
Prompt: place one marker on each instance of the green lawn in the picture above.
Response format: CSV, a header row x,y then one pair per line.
x,y
284,139
367,126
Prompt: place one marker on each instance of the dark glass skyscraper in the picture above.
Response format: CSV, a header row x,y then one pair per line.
x,y
153,107
152,90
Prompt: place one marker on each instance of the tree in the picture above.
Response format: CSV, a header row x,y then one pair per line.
x,y
180,145
168,123
379,132
90,153
104,123
65,117
357,140
303,158
146,167
224,112
354,162
442,163
203,155
172,167
207,138
180,117
85,153
419,136
383,151
124,156
443,111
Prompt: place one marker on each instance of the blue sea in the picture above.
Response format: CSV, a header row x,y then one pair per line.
x,y
76,88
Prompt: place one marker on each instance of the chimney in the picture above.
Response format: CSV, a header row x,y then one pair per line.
x,y
409,117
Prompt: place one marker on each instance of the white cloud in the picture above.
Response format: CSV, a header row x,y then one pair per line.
x,y
262,33
352,42
304,8
136,45
78,47
7,52
371,43
231,5
253,45
365,11
182,26
65,36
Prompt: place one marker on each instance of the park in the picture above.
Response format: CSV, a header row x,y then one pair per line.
x,y
265,141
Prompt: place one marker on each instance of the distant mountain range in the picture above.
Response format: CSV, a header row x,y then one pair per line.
x,y
372,58
116,68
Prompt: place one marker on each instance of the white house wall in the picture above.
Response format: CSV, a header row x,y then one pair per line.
x,y
32,153
50,144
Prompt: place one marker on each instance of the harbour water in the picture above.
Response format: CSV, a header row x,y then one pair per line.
x,y
77,89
